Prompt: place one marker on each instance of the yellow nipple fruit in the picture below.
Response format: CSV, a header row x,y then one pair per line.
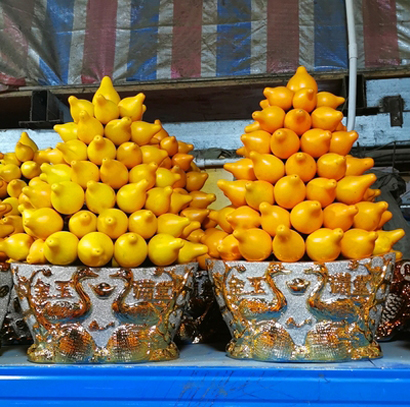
x,y
23,153
371,194
284,142
130,250
100,148
129,154
105,110
172,224
183,161
144,172
386,216
17,246
324,244
332,166
272,216
195,214
178,202
305,99
288,245
119,130
132,197
244,217
298,120
351,189
369,215
326,118
201,199
170,145
228,249
36,253
386,239
183,148
342,142
67,197
78,105
3,189
15,187
163,249
43,222
144,223
220,217
30,169
195,180
270,119
55,156
258,192
9,172
165,178
142,132
84,171
88,127
39,195
358,244
357,166
280,96
113,173
241,169
107,89
113,222
301,79
60,248
73,150
152,154
264,103
301,164
67,131
212,238
82,222
158,200
42,156
132,107
329,99
95,249
99,196
322,190
190,251
339,215
192,227
242,151
307,216
234,190
196,236
258,141
267,167
253,244
289,191
13,222
316,142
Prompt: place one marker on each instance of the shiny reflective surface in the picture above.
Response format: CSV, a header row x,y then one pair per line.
x,y
102,315
302,311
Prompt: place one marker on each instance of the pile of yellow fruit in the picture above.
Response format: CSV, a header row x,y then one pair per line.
x,y
298,191
116,191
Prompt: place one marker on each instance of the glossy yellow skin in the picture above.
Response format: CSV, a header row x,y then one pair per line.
x,y
30,169
95,249
272,216
307,216
195,214
82,222
301,79
132,107
357,166
100,148
172,224
13,221
258,141
78,105
184,148
67,131
192,226
221,218
253,244
298,120
386,216
305,99
386,239
113,173
118,130
316,142
269,119
212,238
9,172
358,244
3,189
301,164
84,171
26,140
60,248
342,142
55,156
322,190
183,161
107,89
201,199
258,192
267,167
105,110
196,236
182,181
129,154
67,197
284,142
42,156
332,166
242,151
369,215
326,118
88,127
178,202
170,145
244,217
36,253
339,215
130,250
324,244
113,222
234,190
16,246
144,223
153,154
158,200
142,132
146,172
163,249
15,187
371,194
190,251
132,197
195,180
10,158
23,153
38,195
288,245
229,249
351,189
280,96
165,178
99,196
53,174
329,99
43,222
289,191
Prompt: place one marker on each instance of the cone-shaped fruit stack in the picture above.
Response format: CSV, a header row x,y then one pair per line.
x,y
298,193
117,191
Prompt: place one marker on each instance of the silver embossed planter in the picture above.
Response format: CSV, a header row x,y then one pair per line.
x,y
302,312
6,285
102,315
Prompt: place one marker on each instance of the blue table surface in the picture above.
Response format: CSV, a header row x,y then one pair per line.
x,y
205,376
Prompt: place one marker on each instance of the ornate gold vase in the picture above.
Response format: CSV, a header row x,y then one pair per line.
x,y
102,315
302,312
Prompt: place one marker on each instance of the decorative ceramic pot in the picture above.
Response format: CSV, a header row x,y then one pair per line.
x,y
6,284
302,312
102,315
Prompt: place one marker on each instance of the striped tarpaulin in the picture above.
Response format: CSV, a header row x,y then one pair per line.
x,y
60,42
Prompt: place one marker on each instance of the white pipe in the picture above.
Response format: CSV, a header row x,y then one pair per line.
x,y
351,35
